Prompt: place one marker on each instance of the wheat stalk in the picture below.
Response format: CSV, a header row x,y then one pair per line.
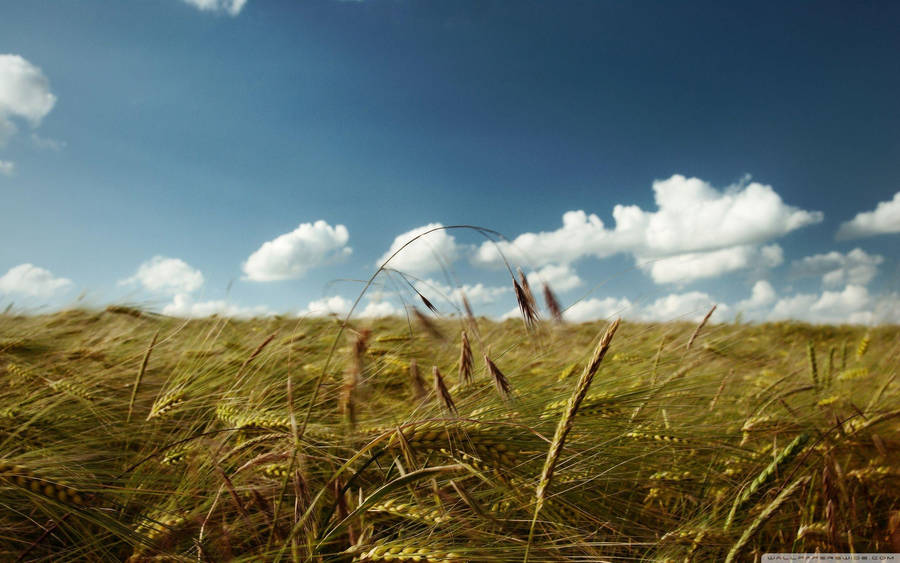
x,y
764,517
140,375
565,426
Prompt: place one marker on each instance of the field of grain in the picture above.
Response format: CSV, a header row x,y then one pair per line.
x,y
126,435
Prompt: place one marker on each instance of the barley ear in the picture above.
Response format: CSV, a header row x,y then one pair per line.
x,y
140,376
553,304
441,391
465,360
565,425
764,517
526,304
416,381
500,381
700,326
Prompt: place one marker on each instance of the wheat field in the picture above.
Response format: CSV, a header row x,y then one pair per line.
x,y
126,435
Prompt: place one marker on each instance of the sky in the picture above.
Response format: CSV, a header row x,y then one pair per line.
x,y
643,159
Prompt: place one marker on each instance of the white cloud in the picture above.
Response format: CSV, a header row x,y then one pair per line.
x,y
885,219
837,270
231,7
691,306
477,294
291,255
424,255
379,309
594,308
24,94
697,265
7,167
29,280
166,275
762,296
340,306
183,305
327,305
560,277
719,231
580,235
852,305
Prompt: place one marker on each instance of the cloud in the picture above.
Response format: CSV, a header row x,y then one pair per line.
x,y
691,306
885,219
7,168
560,277
231,7
24,94
837,270
166,275
580,235
762,296
340,306
291,255
716,231
379,309
425,254
851,305
476,294
697,265
594,308
183,305
31,281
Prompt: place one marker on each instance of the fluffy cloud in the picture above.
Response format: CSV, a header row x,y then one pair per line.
x,y
183,305
231,7
340,306
762,296
7,167
837,270
424,255
477,294
580,235
291,255
31,281
594,308
559,277
697,265
166,275
885,219
852,305
691,306
712,231
24,94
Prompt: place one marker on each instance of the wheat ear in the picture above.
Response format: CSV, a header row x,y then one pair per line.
x,y
140,376
565,425
700,327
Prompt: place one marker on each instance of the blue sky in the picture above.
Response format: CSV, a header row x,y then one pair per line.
x,y
645,158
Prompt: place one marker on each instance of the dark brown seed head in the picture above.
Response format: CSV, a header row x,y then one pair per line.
x,y
529,315
418,384
441,391
552,304
500,381
427,324
465,360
